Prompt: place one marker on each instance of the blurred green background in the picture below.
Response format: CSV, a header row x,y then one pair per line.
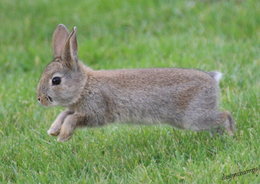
x,y
205,34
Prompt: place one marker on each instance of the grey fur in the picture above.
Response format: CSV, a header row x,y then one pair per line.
x,y
183,98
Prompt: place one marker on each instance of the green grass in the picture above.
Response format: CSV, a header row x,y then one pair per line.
x,y
210,35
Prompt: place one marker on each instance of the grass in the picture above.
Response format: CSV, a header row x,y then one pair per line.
x,y
210,35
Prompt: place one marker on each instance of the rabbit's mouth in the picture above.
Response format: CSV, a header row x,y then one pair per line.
x,y
45,100
50,99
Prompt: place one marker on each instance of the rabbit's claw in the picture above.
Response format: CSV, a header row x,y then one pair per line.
x,y
54,131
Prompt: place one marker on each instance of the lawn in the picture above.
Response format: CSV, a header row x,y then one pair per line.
x,y
206,34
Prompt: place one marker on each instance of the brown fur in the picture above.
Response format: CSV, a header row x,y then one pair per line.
x,y
183,98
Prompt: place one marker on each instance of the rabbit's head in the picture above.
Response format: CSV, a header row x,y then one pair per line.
x,y
63,78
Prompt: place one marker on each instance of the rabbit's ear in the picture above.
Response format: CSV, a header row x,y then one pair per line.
x,y
59,38
69,54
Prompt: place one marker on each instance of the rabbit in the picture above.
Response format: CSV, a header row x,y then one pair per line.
x,y
183,98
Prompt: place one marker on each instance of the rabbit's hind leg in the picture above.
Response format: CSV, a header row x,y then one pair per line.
x,y
229,123
214,120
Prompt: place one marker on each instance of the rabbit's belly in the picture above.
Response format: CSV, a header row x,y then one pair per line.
x,y
148,109
162,105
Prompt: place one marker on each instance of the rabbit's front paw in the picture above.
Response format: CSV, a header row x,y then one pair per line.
x,y
66,130
54,131
64,135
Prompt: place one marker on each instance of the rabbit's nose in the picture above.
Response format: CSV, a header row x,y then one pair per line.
x,y
39,99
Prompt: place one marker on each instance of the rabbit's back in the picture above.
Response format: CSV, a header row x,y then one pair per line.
x,y
154,77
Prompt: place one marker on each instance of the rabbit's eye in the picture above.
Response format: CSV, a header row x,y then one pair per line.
x,y
56,80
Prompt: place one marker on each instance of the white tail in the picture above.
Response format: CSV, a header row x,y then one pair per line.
x,y
216,75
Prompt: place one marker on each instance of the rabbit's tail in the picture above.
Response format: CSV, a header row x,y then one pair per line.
x,y
216,75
